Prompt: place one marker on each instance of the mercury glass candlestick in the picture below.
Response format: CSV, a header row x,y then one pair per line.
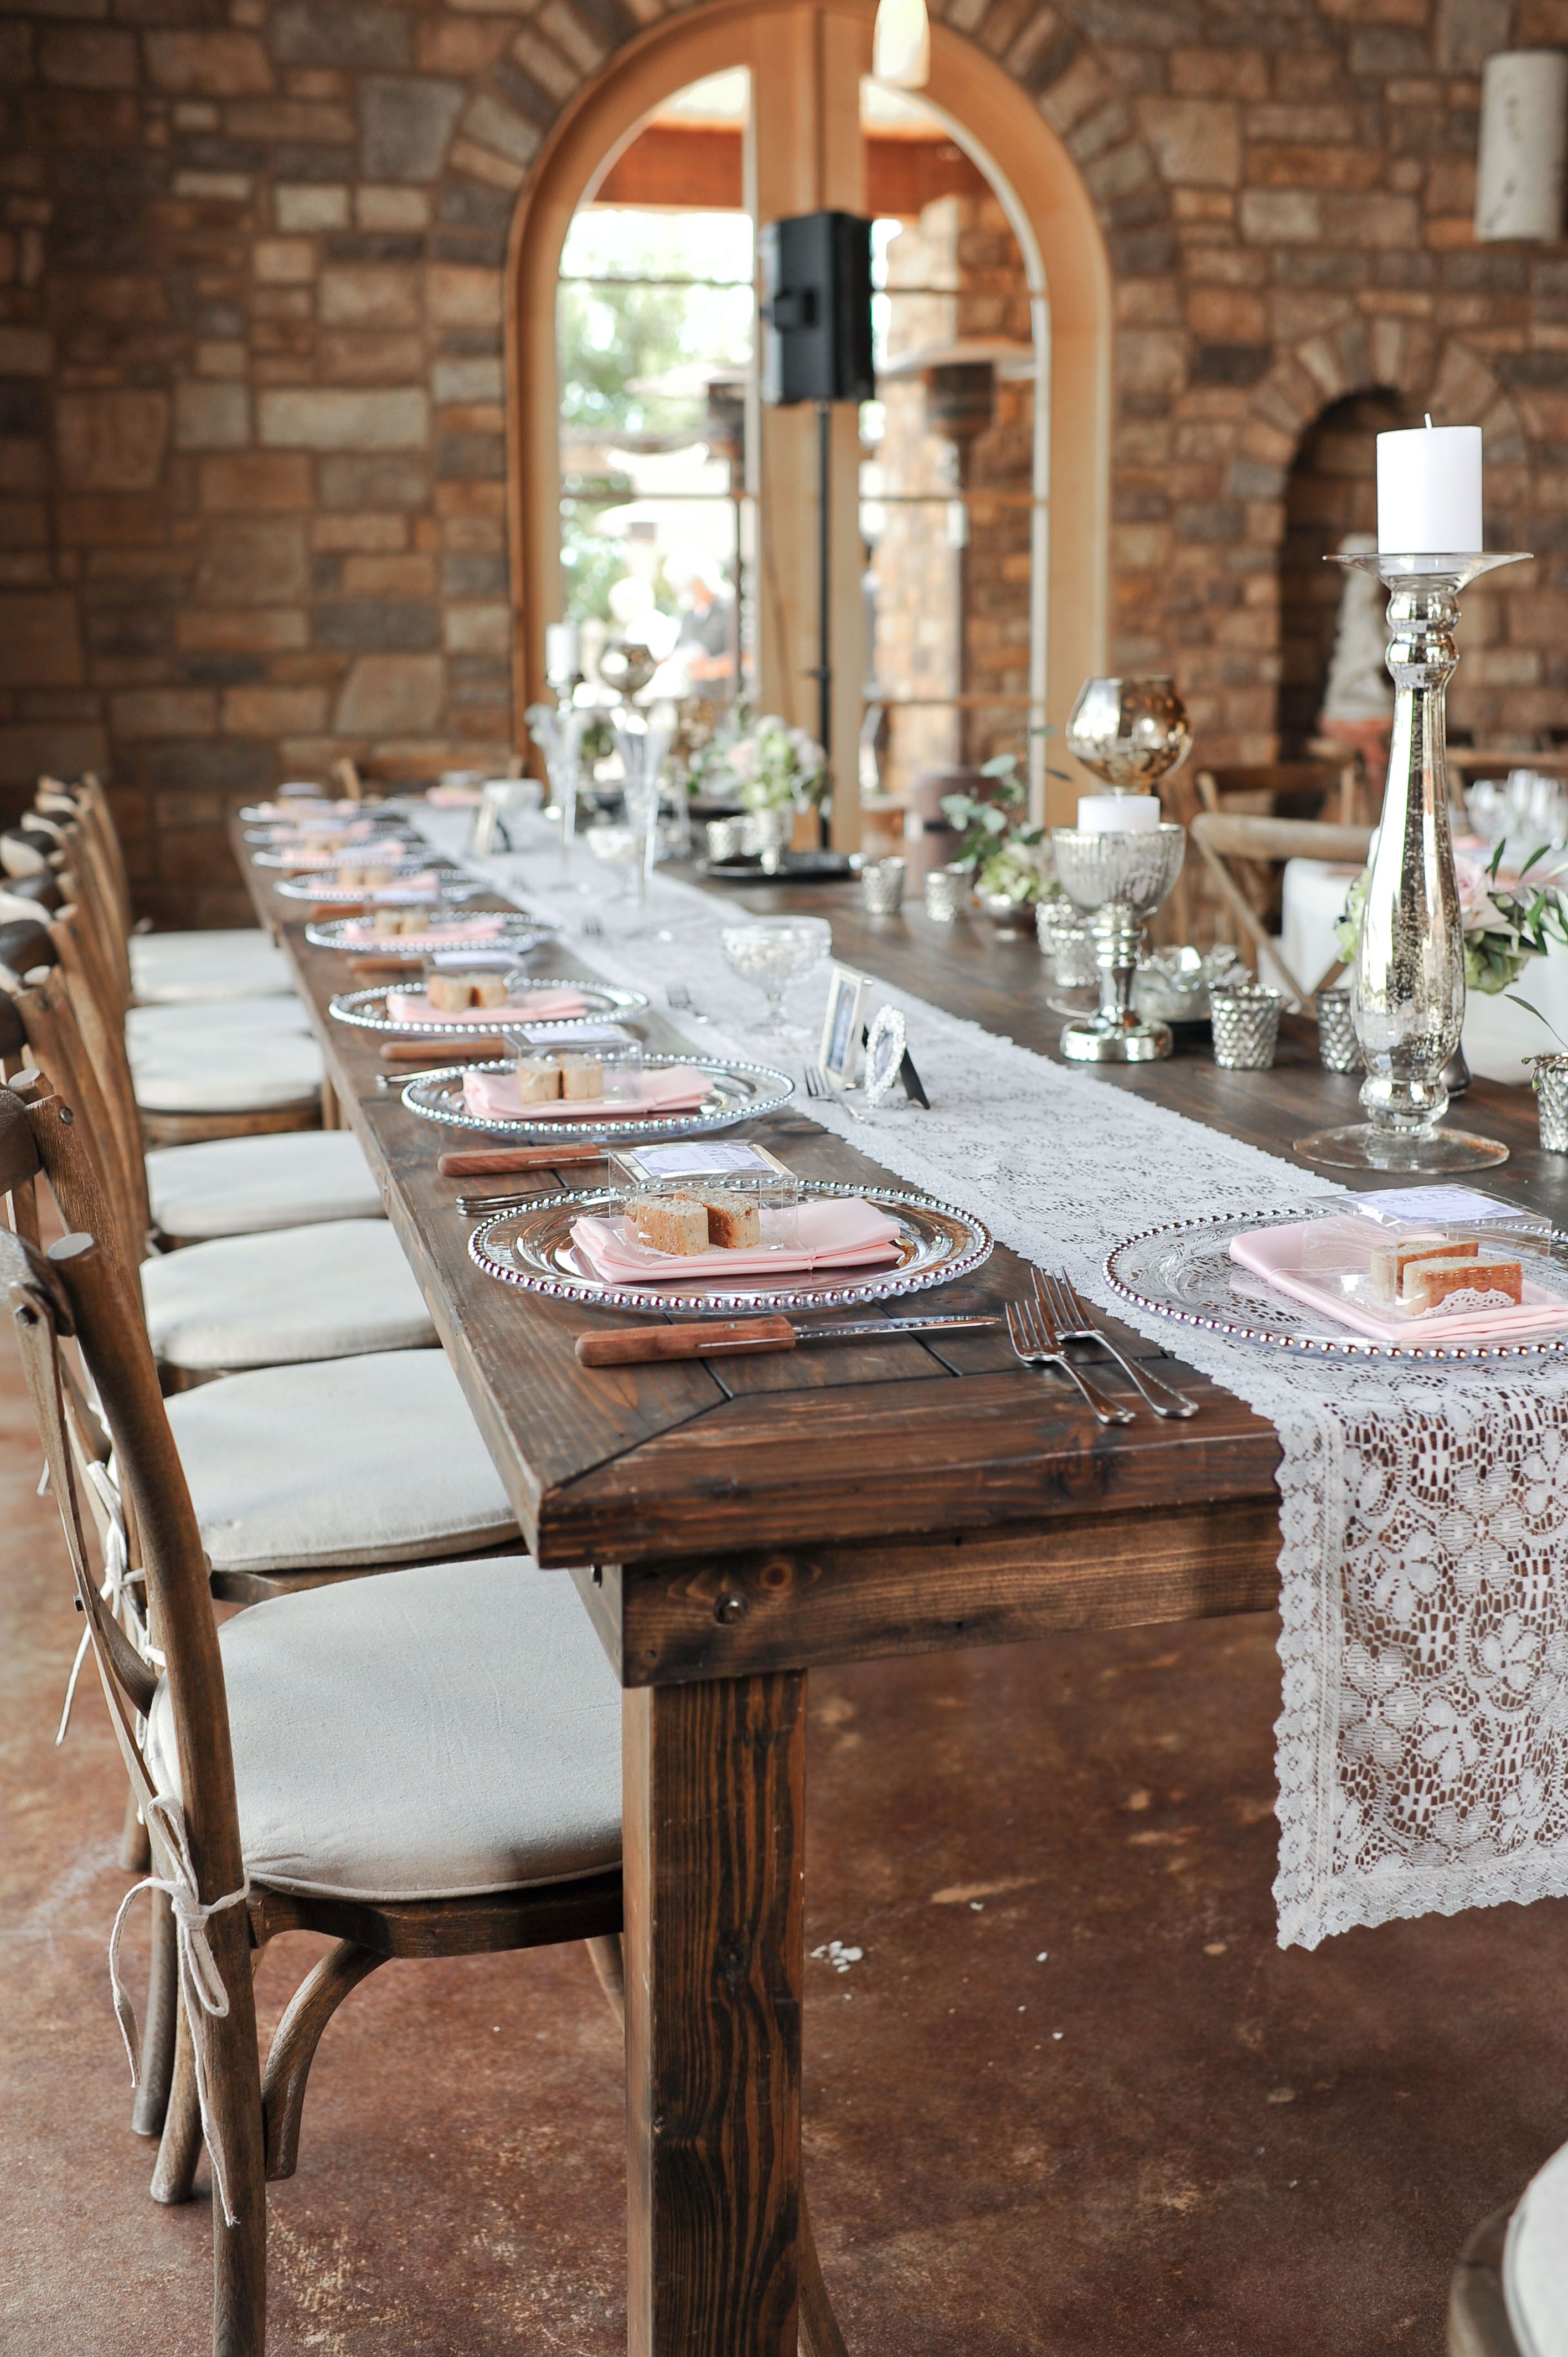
x,y
1408,1004
1118,881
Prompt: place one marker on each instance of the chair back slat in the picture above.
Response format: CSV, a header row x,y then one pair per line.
x,y
1259,841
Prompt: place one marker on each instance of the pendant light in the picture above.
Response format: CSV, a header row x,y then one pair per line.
x,y
901,45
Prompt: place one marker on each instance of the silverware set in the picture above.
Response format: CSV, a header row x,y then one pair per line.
x,y
679,1000
1039,1331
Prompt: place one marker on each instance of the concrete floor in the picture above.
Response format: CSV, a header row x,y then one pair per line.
x,y
1071,2101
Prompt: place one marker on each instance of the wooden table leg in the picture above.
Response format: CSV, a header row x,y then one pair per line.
x,y
714,1827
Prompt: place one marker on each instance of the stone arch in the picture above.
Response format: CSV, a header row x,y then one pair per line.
x,y
1066,147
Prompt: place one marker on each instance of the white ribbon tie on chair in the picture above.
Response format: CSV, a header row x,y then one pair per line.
x,y
200,1984
118,1581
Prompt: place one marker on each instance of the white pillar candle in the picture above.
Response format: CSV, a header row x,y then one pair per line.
x,y
1118,813
1429,491
562,653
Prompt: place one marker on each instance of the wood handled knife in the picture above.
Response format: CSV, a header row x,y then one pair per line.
x,y
715,1338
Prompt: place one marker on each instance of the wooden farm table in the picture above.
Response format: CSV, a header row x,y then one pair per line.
x,y
731,1525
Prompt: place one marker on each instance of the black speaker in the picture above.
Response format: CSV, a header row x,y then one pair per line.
x,y
816,309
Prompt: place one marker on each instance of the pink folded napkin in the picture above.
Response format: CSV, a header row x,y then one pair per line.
x,y
834,1232
1321,1263
454,797
535,1005
359,934
671,1088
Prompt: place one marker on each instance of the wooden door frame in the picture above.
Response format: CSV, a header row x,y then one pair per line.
x,y
1066,263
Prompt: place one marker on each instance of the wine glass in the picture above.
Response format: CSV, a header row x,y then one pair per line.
x,y
770,951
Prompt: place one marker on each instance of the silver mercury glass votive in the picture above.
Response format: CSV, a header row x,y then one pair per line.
x,y
1550,1081
881,886
947,894
1066,940
723,837
1246,1020
1339,1049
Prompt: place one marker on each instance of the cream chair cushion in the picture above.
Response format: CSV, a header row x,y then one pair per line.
x,y
227,1074
150,1029
326,1292
351,1460
429,1733
1535,2263
166,968
242,1186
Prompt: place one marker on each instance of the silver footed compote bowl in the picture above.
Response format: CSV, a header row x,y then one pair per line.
x,y
1118,881
1130,732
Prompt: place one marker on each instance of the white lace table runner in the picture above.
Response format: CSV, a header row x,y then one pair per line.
x,y
1422,1745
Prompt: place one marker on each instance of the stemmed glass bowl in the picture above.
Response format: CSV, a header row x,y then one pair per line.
x,y
770,951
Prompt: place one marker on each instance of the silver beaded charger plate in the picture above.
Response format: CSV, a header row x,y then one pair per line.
x,y
607,1002
532,1248
326,887
388,848
735,1093
1184,1272
518,934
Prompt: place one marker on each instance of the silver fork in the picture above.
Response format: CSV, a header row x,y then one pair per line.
x,y
1060,1300
679,1000
818,1084
1033,1340
591,928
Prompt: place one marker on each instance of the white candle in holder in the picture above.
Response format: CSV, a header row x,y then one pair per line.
x,y
563,660
1429,491
1118,813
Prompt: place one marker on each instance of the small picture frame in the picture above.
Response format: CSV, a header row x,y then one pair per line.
x,y
839,1054
886,1046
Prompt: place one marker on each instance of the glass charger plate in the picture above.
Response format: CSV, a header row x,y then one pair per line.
x,y
735,1093
607,1002
1184,1272
372,847
518,934
315,887
532,1247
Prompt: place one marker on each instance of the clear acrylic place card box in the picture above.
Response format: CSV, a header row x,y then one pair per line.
x,y
761,1192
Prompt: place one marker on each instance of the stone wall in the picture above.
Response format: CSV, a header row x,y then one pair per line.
x,y
252,407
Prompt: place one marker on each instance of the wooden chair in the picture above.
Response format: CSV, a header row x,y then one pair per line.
x,y
1514,2274
1295,789
218,1772
1262,845
199,1073
341,1288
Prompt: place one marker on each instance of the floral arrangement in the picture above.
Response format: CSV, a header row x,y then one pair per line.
x,y
771,766
1007,860
1505,924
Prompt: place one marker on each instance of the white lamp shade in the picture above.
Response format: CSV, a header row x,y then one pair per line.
x,y
1524,140
901,45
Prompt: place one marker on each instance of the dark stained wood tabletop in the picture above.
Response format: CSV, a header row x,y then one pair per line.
x,y
945,1436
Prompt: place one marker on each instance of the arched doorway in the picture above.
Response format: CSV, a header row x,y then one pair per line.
x,y
803,148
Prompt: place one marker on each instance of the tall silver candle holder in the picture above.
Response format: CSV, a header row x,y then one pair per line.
x,y
1408,986
1118,881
